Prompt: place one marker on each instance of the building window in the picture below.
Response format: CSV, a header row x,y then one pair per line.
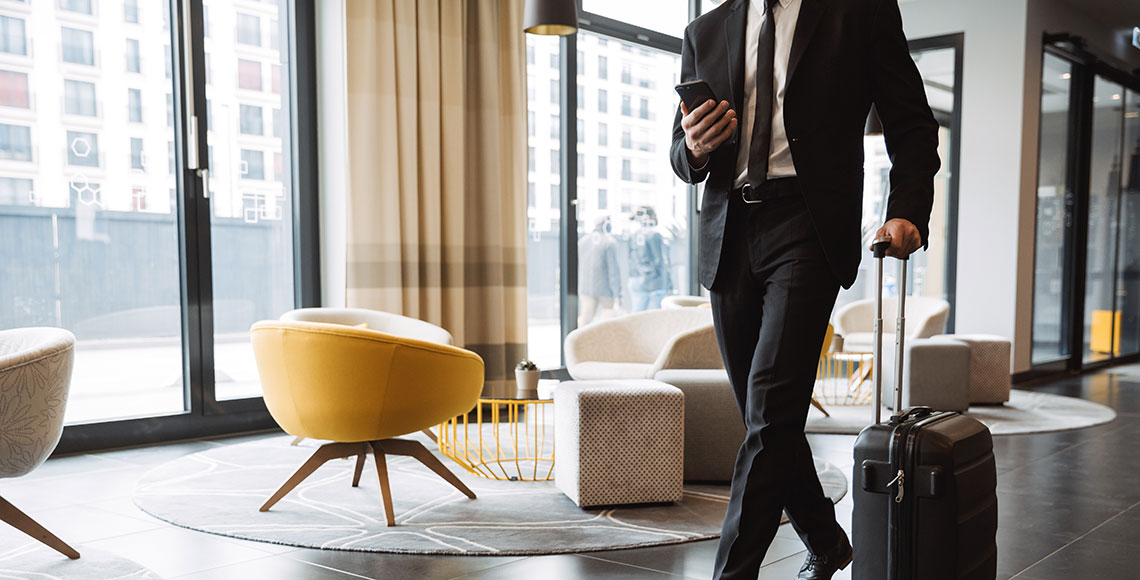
x,y
278,176
133,56
627,105
82,149
252,164
603,134
554,194
15,191
553,91
626,170
137,153
275,78
249,75
581,131
644,108
581,165
530,159
554,132
131,11
134,105
554,60
170,110
78,46
166,56
626,138
581,63
581,97
250,120
530,123
274,35
170,157
603,68
603,202
276,122
205,20
603,101
79,98
603,167
13,89
530,194
248,30
13,39
15,142
530,55
555,162
81,6
626,74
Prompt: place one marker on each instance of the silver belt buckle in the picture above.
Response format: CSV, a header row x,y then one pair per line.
x,y
747,187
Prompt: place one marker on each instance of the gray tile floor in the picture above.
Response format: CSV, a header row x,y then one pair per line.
x,y
1069,508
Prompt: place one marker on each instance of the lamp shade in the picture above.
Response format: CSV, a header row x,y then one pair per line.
x,y
551,17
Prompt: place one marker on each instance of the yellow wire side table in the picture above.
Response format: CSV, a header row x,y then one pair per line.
x,y
843,379
515,444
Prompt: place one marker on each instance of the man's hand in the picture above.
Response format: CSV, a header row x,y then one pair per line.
x,y
904,237
706,127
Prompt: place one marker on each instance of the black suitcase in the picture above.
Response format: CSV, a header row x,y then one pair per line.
x,y
925,483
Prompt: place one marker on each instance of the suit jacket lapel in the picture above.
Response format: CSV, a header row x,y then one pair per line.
x,y
810,13
734,28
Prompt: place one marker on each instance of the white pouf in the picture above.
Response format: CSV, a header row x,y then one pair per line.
x,y
990,379
936,374
619,441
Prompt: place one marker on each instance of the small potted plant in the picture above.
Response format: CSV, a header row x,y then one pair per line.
x,y
526,378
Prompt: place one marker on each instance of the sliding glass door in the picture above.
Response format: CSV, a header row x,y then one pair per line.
x,y
1087,273
115,115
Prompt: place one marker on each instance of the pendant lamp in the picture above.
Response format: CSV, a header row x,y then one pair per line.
x,y
551,17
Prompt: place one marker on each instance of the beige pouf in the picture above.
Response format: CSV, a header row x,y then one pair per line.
x,y
619,441
990,379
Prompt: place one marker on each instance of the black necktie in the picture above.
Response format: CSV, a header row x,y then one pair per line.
x,y
760,146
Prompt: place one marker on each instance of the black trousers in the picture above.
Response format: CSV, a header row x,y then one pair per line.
x,y
771,302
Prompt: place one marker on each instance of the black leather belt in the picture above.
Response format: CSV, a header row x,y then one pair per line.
x,y
770,190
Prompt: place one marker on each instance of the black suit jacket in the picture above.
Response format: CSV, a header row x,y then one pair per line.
x,y
845,55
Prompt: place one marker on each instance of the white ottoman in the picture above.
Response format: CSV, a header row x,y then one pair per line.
x,y
936,374
619,441
990,379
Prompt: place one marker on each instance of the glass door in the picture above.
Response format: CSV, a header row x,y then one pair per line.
x,y
1128,256
110,112
1056,202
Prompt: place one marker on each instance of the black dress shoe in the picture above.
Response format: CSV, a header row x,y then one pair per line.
x,y
824,566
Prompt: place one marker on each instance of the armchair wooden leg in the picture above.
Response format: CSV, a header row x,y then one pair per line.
x,y
420,453
360,464
318,458
296,441
817,405
385,490
431,435
21,521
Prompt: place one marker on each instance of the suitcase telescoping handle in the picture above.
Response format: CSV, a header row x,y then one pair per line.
x,y
879,249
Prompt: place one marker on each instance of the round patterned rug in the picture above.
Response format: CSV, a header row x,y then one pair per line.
x,y
1026,412
219,491
24,558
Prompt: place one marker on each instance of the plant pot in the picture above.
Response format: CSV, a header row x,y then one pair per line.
x,y
527,382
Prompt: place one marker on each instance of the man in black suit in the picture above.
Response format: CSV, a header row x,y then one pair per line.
x,y
780,225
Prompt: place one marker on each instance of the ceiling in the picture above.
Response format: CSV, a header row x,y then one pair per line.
x,y
1123,14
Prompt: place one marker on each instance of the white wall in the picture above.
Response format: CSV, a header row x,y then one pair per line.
x,y
332,103
990,231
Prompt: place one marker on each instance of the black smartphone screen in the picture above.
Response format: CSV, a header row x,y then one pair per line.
x,y
695,93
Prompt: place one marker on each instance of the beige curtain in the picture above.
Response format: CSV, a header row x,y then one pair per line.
x,y
437,163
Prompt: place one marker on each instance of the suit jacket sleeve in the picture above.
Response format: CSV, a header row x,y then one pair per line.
x,y
678,153
909,128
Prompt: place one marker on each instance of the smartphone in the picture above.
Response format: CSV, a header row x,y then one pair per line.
x,y
695,93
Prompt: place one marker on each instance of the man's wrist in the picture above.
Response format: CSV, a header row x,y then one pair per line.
x,y
696,163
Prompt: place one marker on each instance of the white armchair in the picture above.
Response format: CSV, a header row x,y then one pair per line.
x,y
925,317
638,345
35,376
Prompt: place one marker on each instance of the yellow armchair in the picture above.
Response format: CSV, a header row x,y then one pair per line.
x,y
361,389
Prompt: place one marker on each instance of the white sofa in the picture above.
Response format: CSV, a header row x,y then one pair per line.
x,y
637,346
675,301
925,318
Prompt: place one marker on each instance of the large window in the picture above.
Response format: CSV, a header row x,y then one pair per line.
x,y
111,231
932,270
631,232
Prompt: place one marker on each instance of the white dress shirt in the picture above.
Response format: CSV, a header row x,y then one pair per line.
x,y
780,155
